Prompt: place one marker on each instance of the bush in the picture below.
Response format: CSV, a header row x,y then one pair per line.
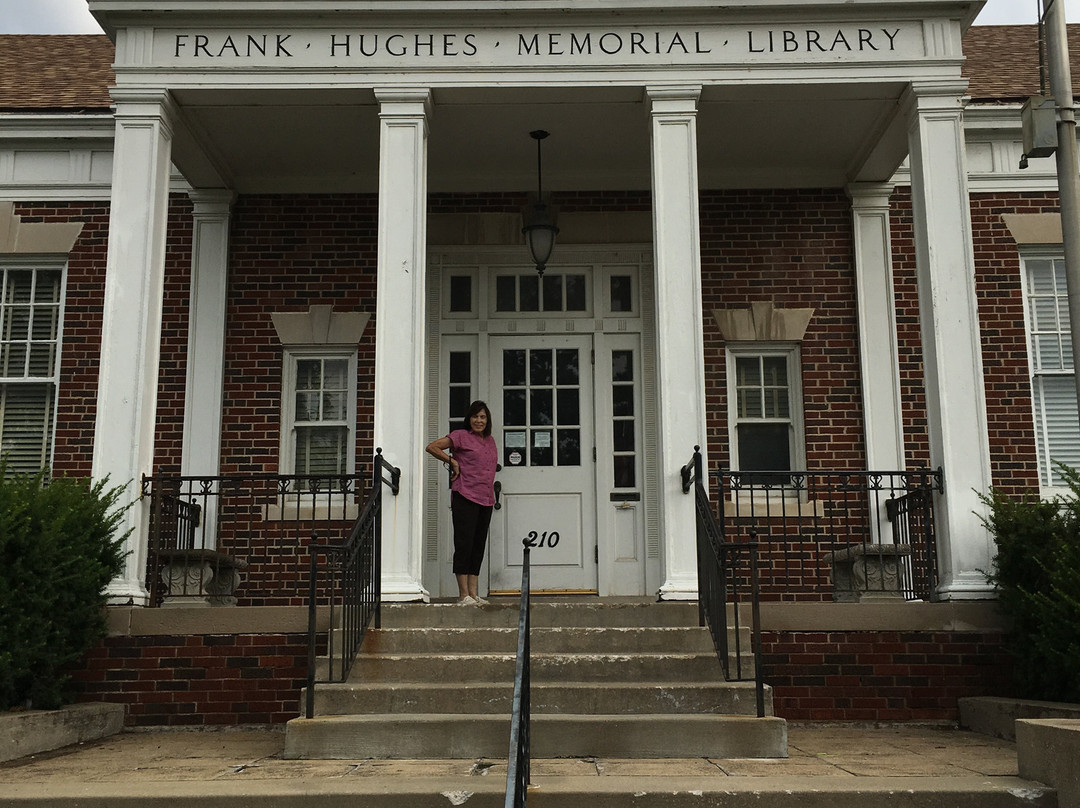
x,y
1037,573
58,551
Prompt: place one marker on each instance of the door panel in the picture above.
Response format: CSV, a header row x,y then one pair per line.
x,y
542,399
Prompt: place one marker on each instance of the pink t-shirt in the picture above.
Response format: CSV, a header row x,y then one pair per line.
x,y
477,457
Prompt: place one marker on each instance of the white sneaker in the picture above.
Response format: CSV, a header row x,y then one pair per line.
x,y
479,601
468,600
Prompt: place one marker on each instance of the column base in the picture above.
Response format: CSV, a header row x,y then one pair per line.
x,y
404,590
678,590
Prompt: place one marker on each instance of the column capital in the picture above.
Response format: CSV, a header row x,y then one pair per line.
x,y
405,101
143,102
939,96
673,98
867,196
212,201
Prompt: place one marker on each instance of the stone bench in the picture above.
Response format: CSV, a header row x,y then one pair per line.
x,y
199,577
867,571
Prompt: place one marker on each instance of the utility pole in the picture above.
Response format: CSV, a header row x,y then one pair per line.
x,y
1068,174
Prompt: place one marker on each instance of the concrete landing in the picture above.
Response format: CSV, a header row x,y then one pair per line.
x,y
829,767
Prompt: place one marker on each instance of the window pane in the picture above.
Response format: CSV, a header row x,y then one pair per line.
x,y
542,454
622,400
333,406
506,293
764,446
530,293
1056,425
774,371
553,293
320,450
622,298
26,425
622,366
460,399
569,447
335,372
308,374
460,293
748,371
307,405
576,299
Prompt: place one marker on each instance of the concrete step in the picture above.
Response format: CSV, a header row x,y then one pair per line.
x,y
572,639
503,612
545,667
453,735
685,791
735,698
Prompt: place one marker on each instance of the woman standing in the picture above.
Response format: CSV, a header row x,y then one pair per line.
x,y
471,454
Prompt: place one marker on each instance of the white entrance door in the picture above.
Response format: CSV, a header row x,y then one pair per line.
x,y
541,394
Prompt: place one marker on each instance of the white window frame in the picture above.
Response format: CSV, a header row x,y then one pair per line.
x,y
35,264
790,352
290,360
1049,484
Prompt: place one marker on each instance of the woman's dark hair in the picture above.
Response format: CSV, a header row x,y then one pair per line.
x,y
474,408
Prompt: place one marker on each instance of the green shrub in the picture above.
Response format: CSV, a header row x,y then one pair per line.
x,y
1037,574
58,551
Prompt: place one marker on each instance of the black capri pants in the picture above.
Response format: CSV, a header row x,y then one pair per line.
x,y
471,523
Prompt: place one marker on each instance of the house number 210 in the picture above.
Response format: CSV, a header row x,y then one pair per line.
x,y
544,539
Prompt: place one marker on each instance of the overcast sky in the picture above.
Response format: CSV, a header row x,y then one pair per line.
x,y
72,16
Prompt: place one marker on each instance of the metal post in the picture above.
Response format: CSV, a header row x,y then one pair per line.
x,y
1068,177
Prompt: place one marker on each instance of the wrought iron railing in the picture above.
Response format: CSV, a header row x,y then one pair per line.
x,y
727,587
832,535
206,530
353,571
517,769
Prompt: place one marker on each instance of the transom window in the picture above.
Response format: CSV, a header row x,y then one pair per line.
x,y
1053,387
553,293
30,325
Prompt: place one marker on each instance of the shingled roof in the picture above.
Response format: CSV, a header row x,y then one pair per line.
x,y
54,72
1003,61
74,72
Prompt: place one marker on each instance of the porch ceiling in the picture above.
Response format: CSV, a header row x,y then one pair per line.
x,y
749,136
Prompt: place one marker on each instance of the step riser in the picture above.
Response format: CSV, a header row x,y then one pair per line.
x,y
542,614
486,699
564,640
555,668
471,736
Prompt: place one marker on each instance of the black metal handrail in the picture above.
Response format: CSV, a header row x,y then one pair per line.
x,y
726,571
836,535
517,768
354,568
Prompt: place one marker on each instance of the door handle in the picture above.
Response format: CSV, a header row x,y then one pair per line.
x,y
498,494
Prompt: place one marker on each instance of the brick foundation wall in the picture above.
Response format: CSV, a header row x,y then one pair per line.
x,y
881,676
198,679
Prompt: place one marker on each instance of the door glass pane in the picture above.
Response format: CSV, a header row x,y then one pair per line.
x,y
514,367
542,454
623,436
569,413
460,399
541,408
514,407
540,367
566,366
569,447
624,472
622,366
622,400
460,367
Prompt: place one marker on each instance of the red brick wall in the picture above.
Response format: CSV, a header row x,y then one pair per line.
x,y
199,680
881,676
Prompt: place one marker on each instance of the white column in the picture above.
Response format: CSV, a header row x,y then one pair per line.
x,y
680,345
201,453
878,355
131,323
952,357
400,332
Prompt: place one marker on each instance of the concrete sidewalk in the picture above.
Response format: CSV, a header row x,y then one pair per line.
x,y
245,766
